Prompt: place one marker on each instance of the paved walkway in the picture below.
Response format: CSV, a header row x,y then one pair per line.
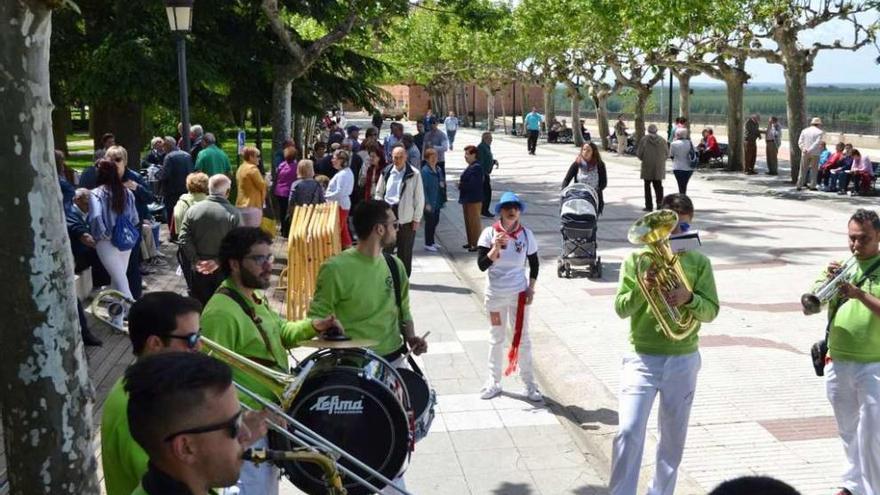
x,y
759,409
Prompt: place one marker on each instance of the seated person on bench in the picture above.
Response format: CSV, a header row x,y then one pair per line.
x,y
553,131
831,163
708,147
861,174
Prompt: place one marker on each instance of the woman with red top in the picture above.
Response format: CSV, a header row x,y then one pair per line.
x,y
708,147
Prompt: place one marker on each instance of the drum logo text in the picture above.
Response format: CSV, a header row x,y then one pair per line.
x,y
333,405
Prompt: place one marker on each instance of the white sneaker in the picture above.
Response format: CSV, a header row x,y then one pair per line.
x,y
533,394
490,390
431,247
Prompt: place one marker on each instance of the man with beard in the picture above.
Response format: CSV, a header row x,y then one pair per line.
x,y
238,317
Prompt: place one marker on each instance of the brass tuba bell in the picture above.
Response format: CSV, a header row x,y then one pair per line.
x,y
653,230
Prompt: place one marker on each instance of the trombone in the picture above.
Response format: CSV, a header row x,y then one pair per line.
x,y
812,302
285,388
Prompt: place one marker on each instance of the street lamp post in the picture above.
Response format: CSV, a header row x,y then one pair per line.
x,y
180,20
669,132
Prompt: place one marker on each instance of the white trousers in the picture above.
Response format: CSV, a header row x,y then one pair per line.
x,y
258,479
116,264
854,392
642,377
502,321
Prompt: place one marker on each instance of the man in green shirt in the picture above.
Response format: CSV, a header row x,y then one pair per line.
x,y
184,412
246,260
158,322
212,160
659,365
852,367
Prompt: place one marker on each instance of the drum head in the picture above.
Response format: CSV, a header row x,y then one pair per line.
x,y
417,388
357,415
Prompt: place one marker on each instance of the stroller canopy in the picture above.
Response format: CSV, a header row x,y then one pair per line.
x,y
578,201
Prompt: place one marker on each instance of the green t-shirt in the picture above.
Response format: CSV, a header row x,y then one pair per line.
x,y
212,160
630,303
125,462
855,330
224,322
358,289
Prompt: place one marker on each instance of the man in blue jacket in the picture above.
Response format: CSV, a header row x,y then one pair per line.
x,y
83,246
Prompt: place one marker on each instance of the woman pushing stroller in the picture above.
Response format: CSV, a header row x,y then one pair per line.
x,y
503,250
588,168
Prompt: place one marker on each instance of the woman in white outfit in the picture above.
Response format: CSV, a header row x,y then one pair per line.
x,y
339,190
110,201
503,250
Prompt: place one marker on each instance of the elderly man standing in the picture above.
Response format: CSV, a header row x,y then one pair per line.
x,y
203,227
400,185
488,163
652,153
392,139
413,154
197,141
212,160
810,143
753,134
177,166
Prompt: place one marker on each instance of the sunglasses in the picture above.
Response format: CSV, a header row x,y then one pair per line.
x,y
192,340
261,259
231,425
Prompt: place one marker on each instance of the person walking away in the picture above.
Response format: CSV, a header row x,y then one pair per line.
x,y
620,135
810,144
251,188
652,153
451,124
432,177
753,134
588,168
503,250
773,138
400,185
853,360
112,220
487,163
533,128
339,190
306,190
196,190
684,159
202,229
284,179
212,160
377,121
177,166
659,365
470,195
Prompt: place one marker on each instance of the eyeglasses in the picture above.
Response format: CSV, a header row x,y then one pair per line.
x,y
118,159
261,259
192,340
232,426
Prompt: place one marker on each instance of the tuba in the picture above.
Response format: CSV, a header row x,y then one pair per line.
x,y
812,302
653,231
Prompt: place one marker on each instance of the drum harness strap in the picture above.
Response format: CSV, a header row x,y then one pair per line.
x,y
258,322
404,348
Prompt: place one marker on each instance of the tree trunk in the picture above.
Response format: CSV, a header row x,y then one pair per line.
x,y
550,102
281,113
642,96
298,134
47,397
524,101
504,112
61,126
490,110
125,120
684,96
461,105
576,116
796,102
600,99
735,133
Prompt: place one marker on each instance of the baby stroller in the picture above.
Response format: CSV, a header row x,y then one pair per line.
x,y
578,213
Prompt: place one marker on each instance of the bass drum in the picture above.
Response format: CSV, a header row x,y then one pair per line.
x,y
357,401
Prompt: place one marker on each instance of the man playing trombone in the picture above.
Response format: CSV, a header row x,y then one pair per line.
x,y
852,368
238,317
666,362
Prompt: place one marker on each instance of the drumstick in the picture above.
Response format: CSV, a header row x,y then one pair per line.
x,y
406,355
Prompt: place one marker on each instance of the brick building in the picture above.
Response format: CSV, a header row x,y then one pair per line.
x,y
416,100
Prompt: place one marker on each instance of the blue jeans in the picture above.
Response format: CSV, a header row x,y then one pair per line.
x,y
682,177
432,218
450,135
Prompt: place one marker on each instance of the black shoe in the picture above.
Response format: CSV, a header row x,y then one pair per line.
x,y
487,215
91,340
466,246
473,249
647,209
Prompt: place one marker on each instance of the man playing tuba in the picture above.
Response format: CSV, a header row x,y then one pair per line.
x,y
660,362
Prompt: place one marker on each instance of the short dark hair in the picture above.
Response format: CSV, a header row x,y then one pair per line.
x,y
678,203
368,214
866,217
105,137
754,485
237,242
166,390
156,314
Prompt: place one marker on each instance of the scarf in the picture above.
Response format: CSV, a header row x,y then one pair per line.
x,y
497,227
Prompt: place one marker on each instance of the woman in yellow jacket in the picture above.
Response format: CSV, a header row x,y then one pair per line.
x,y
251,188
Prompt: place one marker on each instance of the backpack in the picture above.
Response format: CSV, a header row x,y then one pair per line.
x,y
125,235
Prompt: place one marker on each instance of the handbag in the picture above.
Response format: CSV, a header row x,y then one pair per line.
x,y
693,158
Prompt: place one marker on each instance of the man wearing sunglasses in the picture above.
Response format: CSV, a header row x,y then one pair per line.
x,y
184,412
239,318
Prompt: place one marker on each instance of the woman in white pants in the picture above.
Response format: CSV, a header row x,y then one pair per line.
x,y
503,250
110,201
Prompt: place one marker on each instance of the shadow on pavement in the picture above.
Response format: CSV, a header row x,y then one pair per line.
x,y
513,489
445,289
585,419
591,490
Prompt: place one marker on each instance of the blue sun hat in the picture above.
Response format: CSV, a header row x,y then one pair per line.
x,y
507,198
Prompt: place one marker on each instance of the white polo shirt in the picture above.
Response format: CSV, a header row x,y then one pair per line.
x,y
508,276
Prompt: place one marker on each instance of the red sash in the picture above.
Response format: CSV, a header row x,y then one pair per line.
x,y
498,228
513,353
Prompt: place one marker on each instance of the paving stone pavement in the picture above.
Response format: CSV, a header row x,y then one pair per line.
x,y
759,409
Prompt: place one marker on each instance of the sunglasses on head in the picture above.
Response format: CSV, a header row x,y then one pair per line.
x,y
231,425
192,340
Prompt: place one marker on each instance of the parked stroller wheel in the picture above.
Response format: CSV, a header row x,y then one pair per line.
x,y
567,270
598,267
560,270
